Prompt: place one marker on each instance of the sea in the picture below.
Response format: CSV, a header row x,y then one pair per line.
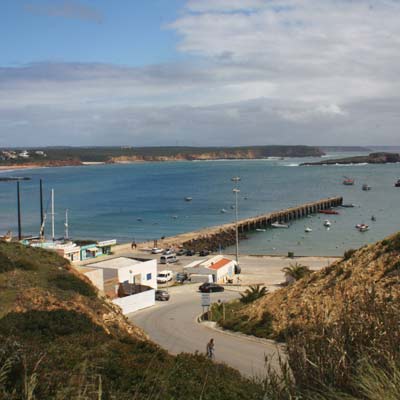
x,y
146,201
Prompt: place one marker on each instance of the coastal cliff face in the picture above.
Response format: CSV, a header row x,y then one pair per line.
x,y
372,158
234,154
67,156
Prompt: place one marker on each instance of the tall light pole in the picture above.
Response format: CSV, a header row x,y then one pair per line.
x,y
235,190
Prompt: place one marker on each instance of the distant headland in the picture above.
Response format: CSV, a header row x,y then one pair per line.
x,y
372,158
63,156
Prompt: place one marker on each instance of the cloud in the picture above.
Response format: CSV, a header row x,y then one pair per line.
x,y
254,71
66,9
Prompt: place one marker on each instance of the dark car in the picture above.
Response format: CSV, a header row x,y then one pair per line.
x,y
204,253
190,253
209,287
181,277
162,295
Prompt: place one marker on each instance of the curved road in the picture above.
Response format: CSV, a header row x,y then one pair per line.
x,y
174,327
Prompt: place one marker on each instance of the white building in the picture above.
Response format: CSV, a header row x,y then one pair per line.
x,y
130,282
216,269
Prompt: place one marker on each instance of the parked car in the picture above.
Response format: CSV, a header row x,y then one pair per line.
x,y
181,277
156,250
204,253
171,258
162,295
167,252
181,252
209,287
190,253
165,276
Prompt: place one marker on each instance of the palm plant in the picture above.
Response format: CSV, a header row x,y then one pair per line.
x,y
253,293
296,271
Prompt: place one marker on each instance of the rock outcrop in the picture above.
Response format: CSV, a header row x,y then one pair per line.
x,y
372,158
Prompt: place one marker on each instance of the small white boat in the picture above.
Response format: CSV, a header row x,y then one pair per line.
x,y
279,225
362,227
308,229
223,211
260,230
366,187
327,223
188,198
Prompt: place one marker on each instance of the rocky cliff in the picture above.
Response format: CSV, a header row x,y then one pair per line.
x,y
372,158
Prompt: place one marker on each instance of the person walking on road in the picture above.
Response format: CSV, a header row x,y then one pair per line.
x,y
210,349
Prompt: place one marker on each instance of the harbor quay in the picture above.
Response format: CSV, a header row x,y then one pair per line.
x,y
221,236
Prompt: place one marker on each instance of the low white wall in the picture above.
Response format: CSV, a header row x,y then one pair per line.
x,y
96,276
136,302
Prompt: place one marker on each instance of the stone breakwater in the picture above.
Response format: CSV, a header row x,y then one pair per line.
x,y
222,236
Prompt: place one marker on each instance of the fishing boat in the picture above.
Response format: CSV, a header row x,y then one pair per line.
x,y
348,181
188,198
308,230
327,223
397,183
329,212
373,218
279,225
366,187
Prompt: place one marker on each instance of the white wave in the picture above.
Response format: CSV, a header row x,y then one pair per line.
x,y
350,165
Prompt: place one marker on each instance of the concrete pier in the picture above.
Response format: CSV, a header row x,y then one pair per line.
x,y
224,235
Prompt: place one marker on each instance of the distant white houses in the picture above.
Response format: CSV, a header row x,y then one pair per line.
x,y
215,269
71,251
129,282
68,250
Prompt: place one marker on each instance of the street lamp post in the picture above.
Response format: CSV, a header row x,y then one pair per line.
x,y
236,179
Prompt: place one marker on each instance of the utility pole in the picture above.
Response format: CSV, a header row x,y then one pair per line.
x,y
19,211
52,214
41,207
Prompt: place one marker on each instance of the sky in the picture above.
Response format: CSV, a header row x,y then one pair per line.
x,y
199,72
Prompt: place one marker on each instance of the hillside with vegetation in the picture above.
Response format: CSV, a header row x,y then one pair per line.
x,y
53,156
340,326
60,340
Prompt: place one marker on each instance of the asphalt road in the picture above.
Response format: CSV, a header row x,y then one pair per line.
x,y
173,326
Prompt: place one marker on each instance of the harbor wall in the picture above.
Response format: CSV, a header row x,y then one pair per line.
x,y
222,236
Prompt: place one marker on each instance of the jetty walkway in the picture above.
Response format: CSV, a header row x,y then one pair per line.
x,y
213,238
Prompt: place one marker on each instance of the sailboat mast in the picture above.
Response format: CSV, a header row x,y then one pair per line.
x,y
66,234
19,212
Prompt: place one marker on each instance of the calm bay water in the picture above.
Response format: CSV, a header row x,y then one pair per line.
x,y
106,201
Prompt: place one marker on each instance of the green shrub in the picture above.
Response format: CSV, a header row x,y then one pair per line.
x,y
47,324
348,254
5,263
253,293
68,281
394,243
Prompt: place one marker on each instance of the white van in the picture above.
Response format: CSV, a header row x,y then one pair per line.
x,y
165,276
167,259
